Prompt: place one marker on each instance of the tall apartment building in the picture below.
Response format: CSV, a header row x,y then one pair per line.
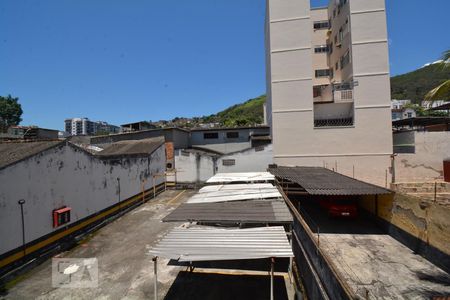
x,y
328,86
83,126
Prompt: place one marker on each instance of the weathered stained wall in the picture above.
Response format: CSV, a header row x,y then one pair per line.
x,y
424,220
250,160
67,176
194,166
426,163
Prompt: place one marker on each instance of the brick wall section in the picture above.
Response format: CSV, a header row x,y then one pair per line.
x,y
169,151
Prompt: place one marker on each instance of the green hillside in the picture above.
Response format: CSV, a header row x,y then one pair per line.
x,y
250,112
414,85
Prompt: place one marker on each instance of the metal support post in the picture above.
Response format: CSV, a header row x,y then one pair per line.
x,y
154,187
272,260
21,203
155,267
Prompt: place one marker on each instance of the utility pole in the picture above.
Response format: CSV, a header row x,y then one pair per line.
x,y
21,203
118,189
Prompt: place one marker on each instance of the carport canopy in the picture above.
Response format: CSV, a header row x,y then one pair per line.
x,y
241,177
243,212
212,244
321,181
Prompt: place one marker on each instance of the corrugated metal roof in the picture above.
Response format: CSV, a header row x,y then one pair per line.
x,y
237,187
256,211
321,181
132,147
11,153
241,177
235,192
211,244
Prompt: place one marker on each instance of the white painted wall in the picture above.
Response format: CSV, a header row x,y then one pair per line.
x,y
193,166
426,164
248,160
66,176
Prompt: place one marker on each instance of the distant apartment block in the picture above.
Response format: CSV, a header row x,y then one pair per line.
x,y
328,86
84,126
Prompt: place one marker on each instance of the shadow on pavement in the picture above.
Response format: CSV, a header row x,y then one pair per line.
x,y
281,264
202,286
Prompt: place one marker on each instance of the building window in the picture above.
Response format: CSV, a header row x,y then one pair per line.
x,y
337,65
409,115
321,25
345,60
330,48
321,49
61,216
228,162
232,135
323,73
317,91
210,135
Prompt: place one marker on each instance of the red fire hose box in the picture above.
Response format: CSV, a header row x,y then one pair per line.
x,y
447,170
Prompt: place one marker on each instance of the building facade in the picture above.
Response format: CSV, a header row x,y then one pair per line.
x,y
226,140
84,126
328,86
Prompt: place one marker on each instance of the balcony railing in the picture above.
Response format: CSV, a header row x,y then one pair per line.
x,y
343,96
333,122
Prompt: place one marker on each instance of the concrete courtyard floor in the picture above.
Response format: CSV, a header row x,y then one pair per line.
x,y
126,271
374,264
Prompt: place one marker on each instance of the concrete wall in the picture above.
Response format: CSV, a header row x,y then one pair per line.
x,y
421,225
223,144
426,163
249,160
67,176
194,167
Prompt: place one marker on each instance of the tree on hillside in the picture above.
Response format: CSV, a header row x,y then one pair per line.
x,y
442,91
10,112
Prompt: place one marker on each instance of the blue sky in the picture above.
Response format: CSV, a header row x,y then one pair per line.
x,y
122,61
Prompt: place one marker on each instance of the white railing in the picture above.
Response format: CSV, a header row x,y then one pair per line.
x,y
343,96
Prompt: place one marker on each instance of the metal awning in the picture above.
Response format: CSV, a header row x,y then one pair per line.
x,y
445,106
211,244
421,121
321,181
237,187
256,211
241,177
235,192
